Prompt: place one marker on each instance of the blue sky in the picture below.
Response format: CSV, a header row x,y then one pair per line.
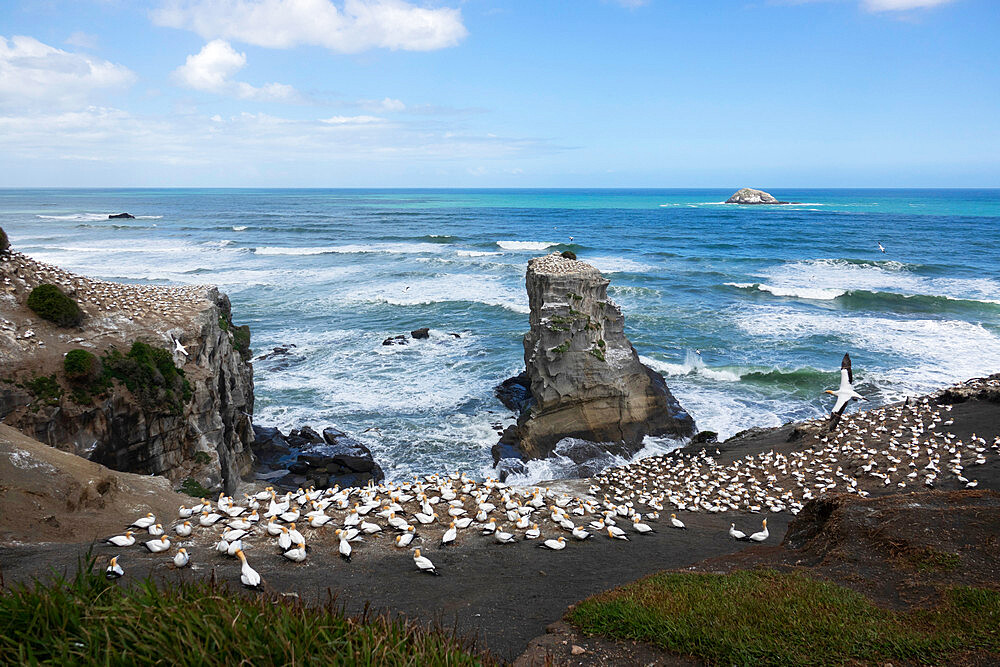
x,y
483,93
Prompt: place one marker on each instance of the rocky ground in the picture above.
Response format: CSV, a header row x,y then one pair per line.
x,y
509,594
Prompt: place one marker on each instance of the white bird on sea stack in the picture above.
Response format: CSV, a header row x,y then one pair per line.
x,y
158,545
144,522
114,569
761,535
181,558
248,575
845,393
424,563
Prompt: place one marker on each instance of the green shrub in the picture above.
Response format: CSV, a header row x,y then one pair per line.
x,y
563,348
568,254
82,366
202,458
45,388
241,341
193,487
49,302
150,374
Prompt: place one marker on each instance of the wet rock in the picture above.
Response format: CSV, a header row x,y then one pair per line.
x,y
395,340
705,438
331,459
751,196
121,216
423,332
515,392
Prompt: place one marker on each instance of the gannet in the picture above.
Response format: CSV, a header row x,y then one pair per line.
x,y
880,246
186,512
580,534
297,555
345,546
144,522
424,564
845,393
233,535
532,533
503,537
181,557
155,530
676,523
125,540
114,569
179,349
369,528
616,533
761,535
449,536
158,545
640,527
404,539
234,547
248,575
736,534
555,545
183,529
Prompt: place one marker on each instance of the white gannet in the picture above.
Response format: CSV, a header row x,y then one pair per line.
x,y
234,547
555,545
207,519
295,534
158,545
580,534
424,563
297,555
285,539
676,523
155,530
369,528
183,529
503,537
144,522
616,533
179,349
319,520
880,246
403,540
761,535
736,534
640,527
233,535
114,569
248,575
125,540
181,557
345,545
449,536
185,512
532,533
845,393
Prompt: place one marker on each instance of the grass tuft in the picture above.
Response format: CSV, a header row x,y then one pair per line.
x,y
87,620
50,303
769,618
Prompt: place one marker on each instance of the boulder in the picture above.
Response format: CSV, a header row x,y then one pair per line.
x,y
751,196
515,392
121,216
585,378
423,332
4,241
395,340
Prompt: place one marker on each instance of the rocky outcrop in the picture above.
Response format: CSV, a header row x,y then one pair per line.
x,y
585,379
305,458
205,435
121,216
751,196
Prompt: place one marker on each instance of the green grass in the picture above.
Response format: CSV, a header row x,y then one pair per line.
x,y
50,303
150,374
768,618
45,389
930,559
87,620
193,487
241,341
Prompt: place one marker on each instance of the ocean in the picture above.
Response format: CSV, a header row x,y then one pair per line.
x,y
746,311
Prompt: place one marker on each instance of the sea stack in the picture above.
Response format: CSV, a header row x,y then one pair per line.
x,y
584,379
751,196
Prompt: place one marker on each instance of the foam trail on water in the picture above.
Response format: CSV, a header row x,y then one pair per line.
x,y
525,245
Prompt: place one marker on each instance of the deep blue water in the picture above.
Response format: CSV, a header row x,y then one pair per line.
x,y
770,297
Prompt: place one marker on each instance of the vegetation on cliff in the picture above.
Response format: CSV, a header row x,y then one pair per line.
x,y
88,620
150,374
4,241
50,303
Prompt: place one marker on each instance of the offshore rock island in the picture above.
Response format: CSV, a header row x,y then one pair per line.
x,y
584,379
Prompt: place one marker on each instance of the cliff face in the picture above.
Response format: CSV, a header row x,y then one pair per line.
x,y
206,436
585,377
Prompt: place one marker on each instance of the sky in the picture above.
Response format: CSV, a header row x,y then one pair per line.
x,y
491,93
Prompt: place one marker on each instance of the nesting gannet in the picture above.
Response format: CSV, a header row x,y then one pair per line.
x,y
158,545
616,533
234,547
142,523
640,527
248,575
181,557
555,545
449,536
424,563
503,537
297,555
285,539
403,540
345,545
761,535
736,534
580,534
845,393
676,523
234,534
125,540
532,533
114,569
183,529
155,530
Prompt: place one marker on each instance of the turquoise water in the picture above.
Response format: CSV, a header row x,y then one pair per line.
x,y
746,310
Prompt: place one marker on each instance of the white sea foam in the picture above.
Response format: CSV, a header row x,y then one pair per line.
x,y
618,265
84,217
693,365
477,253
360,248
525,245
490,290
239,228
813,293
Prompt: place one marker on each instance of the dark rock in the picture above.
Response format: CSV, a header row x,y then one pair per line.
x,y
423,332
4,241
121,216
331,435
705,438
515,392
320,479
269,444
298,468
309,435
395,340
510,466
455,335
567,254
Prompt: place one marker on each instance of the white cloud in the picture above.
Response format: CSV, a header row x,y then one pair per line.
x,y
35,73
900,5
632,4
212,68
355,26
352,120
84,40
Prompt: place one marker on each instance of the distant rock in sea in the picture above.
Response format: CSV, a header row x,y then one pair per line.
x,y
121,216
584,380
751,196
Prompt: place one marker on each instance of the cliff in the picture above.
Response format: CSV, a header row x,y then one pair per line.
x,y
140,410
585,378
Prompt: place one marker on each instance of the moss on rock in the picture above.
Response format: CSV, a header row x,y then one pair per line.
x,y
150,374
49,302
82,367
241,341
